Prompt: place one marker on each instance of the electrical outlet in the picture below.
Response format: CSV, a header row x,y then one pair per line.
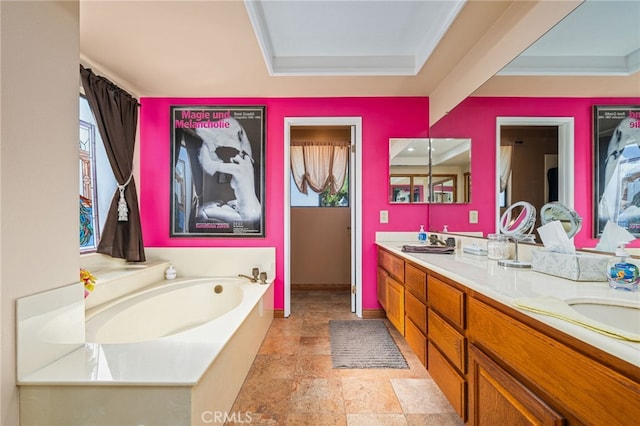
x,y
384,216
473,216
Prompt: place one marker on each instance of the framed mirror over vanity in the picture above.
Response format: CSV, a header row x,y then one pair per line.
x,y
428,170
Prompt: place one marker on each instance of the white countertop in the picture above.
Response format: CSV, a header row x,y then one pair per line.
x,y
506,285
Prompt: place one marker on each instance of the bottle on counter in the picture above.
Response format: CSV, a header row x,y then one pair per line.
x,y
622,270
422,235
170,273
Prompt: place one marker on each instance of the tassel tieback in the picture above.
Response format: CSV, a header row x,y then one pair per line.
x,y
123,209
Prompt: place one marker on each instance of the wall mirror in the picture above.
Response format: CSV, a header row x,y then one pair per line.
x,y
423,170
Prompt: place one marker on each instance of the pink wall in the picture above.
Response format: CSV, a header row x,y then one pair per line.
x,y
382,118
475,118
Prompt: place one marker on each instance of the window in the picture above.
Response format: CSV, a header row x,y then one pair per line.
x,y
313,199
97,183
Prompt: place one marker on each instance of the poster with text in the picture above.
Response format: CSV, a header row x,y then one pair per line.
x,y
617,167
217,171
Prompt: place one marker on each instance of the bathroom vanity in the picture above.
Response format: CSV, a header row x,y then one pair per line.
x,y
496,363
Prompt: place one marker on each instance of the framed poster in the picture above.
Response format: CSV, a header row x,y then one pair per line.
x,y
217,171
616,156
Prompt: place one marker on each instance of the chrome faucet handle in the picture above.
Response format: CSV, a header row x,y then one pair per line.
x,y
263,277
255,272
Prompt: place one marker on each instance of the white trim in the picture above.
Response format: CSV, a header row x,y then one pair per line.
x,y
356,206
565,154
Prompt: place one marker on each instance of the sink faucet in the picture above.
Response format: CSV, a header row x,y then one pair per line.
x,y
255,272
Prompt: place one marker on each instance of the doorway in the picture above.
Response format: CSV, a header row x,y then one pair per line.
x,y
354,124
320,208
564,160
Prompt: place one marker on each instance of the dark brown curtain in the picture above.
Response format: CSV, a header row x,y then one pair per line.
x,y
116,113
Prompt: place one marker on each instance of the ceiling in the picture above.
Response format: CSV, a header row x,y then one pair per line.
x,y
306,48
600,37
349,37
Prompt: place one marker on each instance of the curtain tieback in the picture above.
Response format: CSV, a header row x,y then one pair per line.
x,y
123,210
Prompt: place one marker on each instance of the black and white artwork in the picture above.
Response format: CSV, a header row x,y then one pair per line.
x,y
217,171
617,168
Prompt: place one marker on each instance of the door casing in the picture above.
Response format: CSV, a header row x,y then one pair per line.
x,y
356,203
565,154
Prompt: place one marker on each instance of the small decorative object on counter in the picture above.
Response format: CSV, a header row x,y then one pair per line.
x,y
89,281
170,273
497,246
422,235
622,271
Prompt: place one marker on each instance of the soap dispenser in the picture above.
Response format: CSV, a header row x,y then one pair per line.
x,y
622,271
422,235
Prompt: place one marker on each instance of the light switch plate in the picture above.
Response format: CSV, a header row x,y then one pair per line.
x,y
473,216
384,216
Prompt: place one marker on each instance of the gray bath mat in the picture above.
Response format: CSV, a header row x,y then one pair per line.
x,y
363,344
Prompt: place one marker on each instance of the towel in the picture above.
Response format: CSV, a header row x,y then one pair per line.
x,y
559,309
428,249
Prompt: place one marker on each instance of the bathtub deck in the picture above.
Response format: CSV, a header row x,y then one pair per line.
x,y
170,381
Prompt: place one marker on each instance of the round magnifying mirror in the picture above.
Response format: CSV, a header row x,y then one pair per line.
x,y
517,222
569,219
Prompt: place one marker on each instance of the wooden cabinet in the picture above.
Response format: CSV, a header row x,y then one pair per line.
x,y
451,383
390,291
450,342
578,381
498,366
415,325
416,282
395,304
499,398
447,300
447,354
392,264
415,303
382,288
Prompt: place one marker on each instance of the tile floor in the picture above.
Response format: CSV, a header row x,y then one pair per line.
x,y
291,382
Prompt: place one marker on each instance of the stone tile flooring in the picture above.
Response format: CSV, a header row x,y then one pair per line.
x,y
291,382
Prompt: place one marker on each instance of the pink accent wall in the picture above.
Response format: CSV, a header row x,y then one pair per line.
x,y
382,118
475,118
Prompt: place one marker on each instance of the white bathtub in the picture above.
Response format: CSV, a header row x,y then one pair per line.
x,y
164,311
174,353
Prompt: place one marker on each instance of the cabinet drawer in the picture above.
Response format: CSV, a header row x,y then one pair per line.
x,y
416,340
449,341
449,381
416,311
415,280
446,300
392,264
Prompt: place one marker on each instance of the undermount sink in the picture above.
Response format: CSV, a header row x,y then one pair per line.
x,y
624,315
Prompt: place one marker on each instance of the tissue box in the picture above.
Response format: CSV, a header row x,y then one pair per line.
x,y
577,267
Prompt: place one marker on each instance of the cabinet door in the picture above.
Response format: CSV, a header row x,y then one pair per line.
x,y
497,398
395,304
382,288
